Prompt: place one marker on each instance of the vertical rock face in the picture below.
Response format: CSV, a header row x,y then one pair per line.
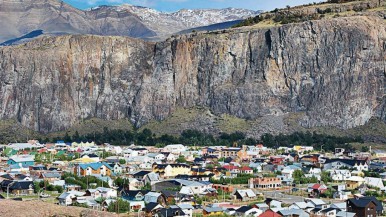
x,y
333,70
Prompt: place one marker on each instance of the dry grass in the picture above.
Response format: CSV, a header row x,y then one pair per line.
x,y
42,209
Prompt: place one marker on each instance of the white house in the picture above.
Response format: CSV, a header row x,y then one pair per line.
x,y
117,168
171,157
65,199
107,192
359,165
340,175
157,156
152,197
374,182
175,149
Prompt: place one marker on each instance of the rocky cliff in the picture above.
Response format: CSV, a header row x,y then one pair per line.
x,y
331,70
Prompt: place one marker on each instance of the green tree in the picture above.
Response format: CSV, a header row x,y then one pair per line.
x,y
181,159
298,174
365,149
36,187
325,177
119,206
122,161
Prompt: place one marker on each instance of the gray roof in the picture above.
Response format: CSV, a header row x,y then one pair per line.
x,y
22,158
213,209
297,212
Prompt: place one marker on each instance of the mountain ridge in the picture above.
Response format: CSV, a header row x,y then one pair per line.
x,y
18,18
330,70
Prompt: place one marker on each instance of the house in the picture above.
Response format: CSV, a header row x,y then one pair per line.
x,y
107,192
171,170
317,203
171,157
248,211
288,171
99,168
213,211
157,156
359,165
345,214
67,198
228,152
154,197
364,206
232,168
266,182
262,206
246,170
327,212
174,149
50,176
302,206
270,213
152,208
151,178
340,175
273,204
133,184
224,188
133,195
92,157
316,189
141,151
187,209
140,175
18,187
173,211
245,195
354,182
116,168
374,182
293,212
22,160
312,159
277,160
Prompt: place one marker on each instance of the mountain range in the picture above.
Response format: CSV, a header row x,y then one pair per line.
x,y
53,17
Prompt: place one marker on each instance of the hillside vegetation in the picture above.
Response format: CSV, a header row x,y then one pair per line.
x,y
315,11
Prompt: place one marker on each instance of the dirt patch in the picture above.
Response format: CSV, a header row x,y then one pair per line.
x,y
42,209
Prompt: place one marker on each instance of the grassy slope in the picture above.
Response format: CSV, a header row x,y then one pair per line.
x,y
193,118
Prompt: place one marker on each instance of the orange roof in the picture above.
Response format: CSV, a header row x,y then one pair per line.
x,y
270,213
245,168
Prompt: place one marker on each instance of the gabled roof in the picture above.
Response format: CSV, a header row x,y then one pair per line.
x,y
22,158
141,173
246,193
243,209
364,201
153,194
316,201
350,162
150,206
270,213
95,166
211,209
293,212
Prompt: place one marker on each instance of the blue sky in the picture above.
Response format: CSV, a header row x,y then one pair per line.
x,y
174,5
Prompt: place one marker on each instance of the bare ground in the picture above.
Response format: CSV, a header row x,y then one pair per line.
x,y
42,209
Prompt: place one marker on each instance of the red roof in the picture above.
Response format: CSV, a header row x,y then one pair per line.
x,y
245,168
270,213
317,186
230,167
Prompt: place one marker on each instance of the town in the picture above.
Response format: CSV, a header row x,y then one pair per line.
x,y
187,181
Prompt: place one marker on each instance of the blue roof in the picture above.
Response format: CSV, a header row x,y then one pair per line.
x,y
95,166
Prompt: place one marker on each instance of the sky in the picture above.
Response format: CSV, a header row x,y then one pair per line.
x,y
174,5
